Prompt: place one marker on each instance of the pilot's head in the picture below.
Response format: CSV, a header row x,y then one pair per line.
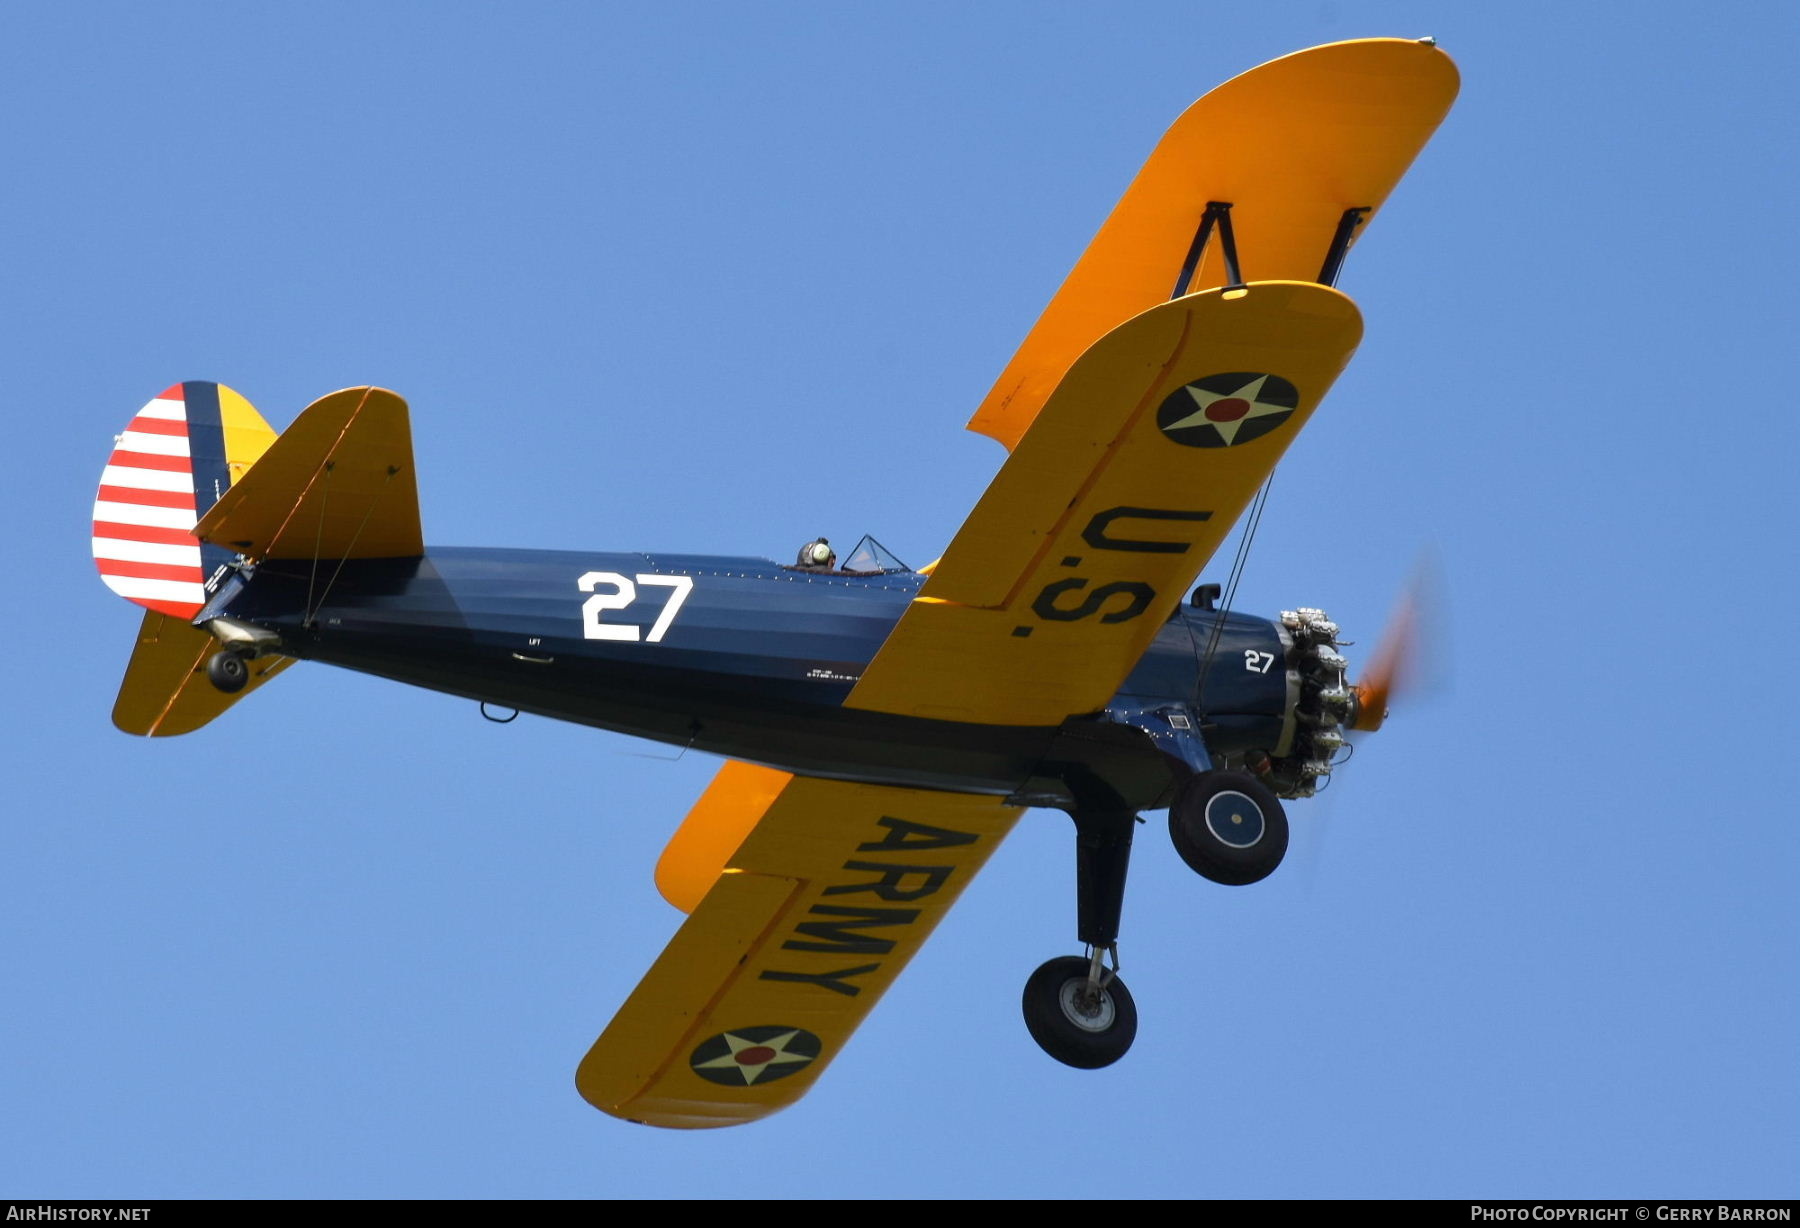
x,y
818,553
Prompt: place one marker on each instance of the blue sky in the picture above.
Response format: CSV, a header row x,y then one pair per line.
x,y
720,278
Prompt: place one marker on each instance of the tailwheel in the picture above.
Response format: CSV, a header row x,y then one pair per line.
x,y
1080,1012
228,670
1229,827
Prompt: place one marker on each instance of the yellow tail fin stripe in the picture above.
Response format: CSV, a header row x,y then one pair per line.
x,y
247,436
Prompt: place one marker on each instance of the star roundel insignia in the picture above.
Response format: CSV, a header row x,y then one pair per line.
x,y
754,1055
1233,407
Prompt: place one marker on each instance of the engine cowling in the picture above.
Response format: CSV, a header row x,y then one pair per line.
x,y
1324,704
1275,699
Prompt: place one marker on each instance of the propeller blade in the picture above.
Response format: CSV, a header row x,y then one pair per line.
x,y
1388,669
1395,669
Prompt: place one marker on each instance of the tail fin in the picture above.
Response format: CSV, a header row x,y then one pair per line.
x,y
338,484
179,455
179,499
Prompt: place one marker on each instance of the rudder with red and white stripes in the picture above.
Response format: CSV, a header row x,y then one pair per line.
x,y
179,454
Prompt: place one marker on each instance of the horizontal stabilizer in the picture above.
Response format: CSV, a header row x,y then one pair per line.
x,y
337,484
166,691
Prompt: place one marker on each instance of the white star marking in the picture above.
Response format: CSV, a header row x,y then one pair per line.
x,y
752,1071
1228,430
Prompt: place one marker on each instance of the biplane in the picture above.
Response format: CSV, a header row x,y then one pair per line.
x,y
882,728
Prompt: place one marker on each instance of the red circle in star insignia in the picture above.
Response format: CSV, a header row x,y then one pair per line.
x,y
1228,410
756,1055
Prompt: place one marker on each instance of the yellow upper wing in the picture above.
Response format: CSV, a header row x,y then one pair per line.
x,y
1290,145
1135,470
702,846
336,484
807,925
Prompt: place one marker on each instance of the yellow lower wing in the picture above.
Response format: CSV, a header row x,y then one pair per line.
x,y
337,484
811,920
166,691
1126,483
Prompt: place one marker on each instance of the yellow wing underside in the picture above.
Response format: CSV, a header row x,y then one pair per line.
x,y
1290,145
715,827
813,917
1109,506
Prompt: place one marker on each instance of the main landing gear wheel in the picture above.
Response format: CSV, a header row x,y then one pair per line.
x,y
228,671
1229,827
1073,1022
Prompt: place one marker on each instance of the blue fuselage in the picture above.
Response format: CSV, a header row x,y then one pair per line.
x,y
740,657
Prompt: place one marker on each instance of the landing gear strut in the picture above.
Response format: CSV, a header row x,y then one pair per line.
x,y
1076,1007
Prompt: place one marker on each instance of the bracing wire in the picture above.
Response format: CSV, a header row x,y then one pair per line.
x,y
1245,539
312,576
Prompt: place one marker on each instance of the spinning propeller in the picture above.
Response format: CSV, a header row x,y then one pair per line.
x,y
1395,669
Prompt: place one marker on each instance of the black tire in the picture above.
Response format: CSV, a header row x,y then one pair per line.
x,y
1229,827
1086,1036
228,671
